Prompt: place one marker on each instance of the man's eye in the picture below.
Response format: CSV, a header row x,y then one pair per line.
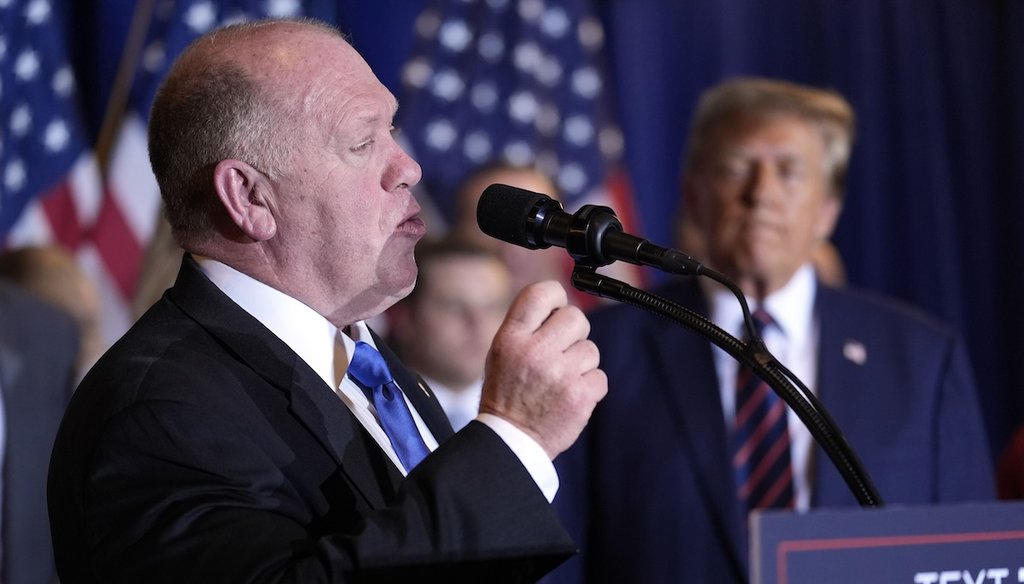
x,y
734,169
791,172
362,145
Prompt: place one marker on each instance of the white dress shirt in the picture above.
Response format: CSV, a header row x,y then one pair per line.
x,y
460,405
322,346
793,342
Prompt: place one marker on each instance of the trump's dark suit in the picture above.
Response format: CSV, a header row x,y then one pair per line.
x,y
648,489
202,449
38,348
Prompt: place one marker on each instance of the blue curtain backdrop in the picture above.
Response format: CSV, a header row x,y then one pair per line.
x,y
936,190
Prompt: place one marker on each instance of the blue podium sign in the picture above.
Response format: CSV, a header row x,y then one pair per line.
x,y
958,544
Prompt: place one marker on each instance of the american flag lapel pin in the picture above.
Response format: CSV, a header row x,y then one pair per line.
x,y
855,352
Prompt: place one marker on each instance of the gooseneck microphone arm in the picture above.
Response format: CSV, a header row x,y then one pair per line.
x,y
755,355
593,237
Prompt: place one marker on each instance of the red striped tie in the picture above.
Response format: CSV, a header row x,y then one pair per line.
x,y
761,462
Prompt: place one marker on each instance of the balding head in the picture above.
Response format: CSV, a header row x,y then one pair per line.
x,y
234,93
273,144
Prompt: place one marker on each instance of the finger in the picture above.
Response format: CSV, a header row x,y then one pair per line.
x,y
563,327
596,381
534,304
584,355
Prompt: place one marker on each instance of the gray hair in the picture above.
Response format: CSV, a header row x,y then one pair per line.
x,y
210,108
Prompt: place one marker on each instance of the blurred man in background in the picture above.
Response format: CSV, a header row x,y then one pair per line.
x,y
51,274
39,346
659,488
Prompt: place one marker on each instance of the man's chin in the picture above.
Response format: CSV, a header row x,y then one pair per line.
x,y
403,291
401,278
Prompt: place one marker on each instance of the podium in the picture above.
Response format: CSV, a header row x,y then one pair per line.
x,y
957,544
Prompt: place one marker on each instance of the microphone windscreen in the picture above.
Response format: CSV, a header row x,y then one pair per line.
x,y
503,212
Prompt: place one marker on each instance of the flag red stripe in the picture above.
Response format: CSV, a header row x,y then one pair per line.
x,y
621,194
117,245
59,208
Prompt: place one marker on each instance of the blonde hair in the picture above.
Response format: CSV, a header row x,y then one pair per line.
x,y
758,99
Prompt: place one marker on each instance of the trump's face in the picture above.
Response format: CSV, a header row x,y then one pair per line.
x,y
759,193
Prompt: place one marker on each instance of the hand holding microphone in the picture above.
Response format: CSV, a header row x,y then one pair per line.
x,y
542,373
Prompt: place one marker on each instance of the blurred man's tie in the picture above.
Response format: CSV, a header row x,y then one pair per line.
x,y
764,475
369,369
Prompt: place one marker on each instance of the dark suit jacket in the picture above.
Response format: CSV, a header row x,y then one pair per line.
x,y
202,449
38,347
648,490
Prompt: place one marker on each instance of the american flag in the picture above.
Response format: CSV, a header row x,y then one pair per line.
x,y
49,184
42,138
52,192
518,81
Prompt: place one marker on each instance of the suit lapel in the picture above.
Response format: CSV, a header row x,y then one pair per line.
x,y
841,359
693,396
312,402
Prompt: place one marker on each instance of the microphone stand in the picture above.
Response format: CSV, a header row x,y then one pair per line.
x,y
585,236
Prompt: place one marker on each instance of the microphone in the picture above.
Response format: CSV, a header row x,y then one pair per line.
x,y
592,235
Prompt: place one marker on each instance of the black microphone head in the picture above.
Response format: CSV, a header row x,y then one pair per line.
x,y
507,213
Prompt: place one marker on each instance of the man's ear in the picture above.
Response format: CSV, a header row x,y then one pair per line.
x,y
828,216
246,195
688,218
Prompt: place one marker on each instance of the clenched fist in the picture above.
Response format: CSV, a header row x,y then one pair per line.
x,y
542,373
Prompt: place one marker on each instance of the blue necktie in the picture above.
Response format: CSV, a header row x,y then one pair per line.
x,y
761,461
369,369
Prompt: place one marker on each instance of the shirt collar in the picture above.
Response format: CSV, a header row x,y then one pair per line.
x,y
792,306
304,330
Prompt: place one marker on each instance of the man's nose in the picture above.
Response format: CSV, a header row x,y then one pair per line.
x,y
764,187
403,171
